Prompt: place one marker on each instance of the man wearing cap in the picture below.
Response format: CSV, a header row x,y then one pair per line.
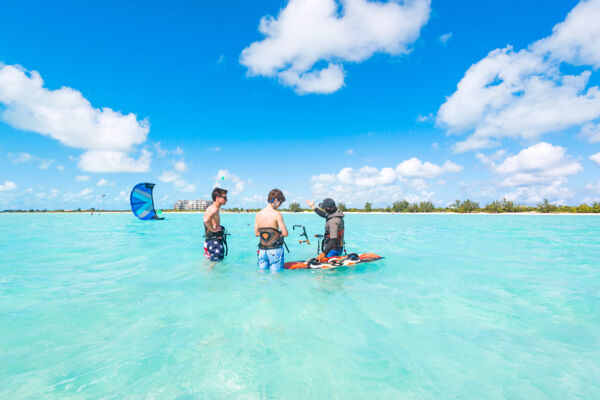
x,y
333,242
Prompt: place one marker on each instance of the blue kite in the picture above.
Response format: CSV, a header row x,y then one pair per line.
x,y
142,203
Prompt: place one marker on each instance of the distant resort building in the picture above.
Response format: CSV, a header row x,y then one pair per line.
x,y
192,205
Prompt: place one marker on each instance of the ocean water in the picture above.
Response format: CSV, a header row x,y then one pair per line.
x,y
462,307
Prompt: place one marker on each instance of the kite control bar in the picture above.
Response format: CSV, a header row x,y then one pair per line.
x,y
302,234
319,246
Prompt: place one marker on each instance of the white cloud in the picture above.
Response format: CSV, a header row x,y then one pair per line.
x,y
65,115
168,176
537,172
490,160
350,152
577,39
554,191
60,168
424,118
180,166
122,197
160,152
415,168
20,158
176,178
215,149
357,195
86,194
253,200
591,132
366,176
102,182
323,81
309,31
541,156
26,157
7,186
595,187
524,94
380,185
445,37
183,186
82,178
114,161
419,184
45,164
595,158
227,180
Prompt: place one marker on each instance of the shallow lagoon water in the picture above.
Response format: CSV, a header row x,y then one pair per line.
x,y
462,306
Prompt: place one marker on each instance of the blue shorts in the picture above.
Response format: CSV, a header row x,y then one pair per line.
x,y
214,249
270,259
334,253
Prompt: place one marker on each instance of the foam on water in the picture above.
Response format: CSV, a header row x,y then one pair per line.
x,y
463,306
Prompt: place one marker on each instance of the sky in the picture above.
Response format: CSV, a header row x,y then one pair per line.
x,y
355,100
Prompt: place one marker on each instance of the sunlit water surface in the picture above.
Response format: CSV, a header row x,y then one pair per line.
x,y
462,306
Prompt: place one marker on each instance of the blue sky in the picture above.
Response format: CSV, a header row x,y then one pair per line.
x,y
352,99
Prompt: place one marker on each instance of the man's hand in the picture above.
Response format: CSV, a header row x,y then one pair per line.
x,y
310,203
321,258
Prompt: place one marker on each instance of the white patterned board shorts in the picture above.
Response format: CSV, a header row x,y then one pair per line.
x,y
270,259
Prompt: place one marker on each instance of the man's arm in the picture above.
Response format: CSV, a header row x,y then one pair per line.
x,y
256,233
281,225
320,212
208,214
209,221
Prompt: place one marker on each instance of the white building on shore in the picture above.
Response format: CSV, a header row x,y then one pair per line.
x,y
192,205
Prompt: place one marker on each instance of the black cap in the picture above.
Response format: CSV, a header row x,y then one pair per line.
x,y
327,203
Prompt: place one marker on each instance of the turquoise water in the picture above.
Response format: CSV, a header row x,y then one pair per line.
x,y
463,306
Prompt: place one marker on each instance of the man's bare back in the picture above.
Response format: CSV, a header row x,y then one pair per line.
x,y
268,217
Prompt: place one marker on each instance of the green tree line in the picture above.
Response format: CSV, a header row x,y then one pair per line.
x,y
404,206
464,206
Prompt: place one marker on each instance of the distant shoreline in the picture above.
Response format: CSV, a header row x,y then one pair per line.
x,y
305,212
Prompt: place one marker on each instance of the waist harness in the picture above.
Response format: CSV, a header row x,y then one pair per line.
x,y
270,238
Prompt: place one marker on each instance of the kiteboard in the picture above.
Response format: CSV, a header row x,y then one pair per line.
x,y
333,262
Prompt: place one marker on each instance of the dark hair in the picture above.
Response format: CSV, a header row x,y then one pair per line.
x,y
218,192
276,194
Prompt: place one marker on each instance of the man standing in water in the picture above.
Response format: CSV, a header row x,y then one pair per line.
x,y
333,241
215,242
269,226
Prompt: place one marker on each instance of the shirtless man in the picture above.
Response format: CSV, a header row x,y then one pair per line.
x,y
214,233
269,226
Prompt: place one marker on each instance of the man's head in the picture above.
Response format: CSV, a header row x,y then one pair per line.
x,y
219,196
328,205
276,198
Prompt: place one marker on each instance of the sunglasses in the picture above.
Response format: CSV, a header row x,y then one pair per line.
x,y
223,197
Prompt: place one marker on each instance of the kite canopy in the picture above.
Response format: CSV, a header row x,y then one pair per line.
x,y
142,203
